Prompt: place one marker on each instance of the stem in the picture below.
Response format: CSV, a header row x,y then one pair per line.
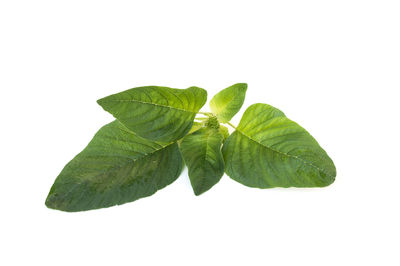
x,y
206,114
230,125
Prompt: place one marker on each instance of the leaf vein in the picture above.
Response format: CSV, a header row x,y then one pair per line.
x,y
159,105
285,154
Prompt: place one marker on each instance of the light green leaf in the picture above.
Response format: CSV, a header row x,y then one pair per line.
x,y
201,152
196,126
116,167
269,150
156,113
226,103
222,129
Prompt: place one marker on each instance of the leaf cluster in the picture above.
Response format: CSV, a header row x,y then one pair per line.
x,y
159,129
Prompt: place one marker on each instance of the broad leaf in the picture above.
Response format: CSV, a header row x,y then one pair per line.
x,y
226,103
116,167
269,150
156,113
201,152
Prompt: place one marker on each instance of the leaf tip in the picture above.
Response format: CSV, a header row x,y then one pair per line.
x,y
242,86
100,101
50,201
198,192
56,201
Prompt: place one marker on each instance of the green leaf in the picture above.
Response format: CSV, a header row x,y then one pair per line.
x,y
156,113
224,131
226,103
196,126
269,150
201,152
116,167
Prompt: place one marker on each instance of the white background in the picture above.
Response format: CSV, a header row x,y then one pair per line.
x,y
332,66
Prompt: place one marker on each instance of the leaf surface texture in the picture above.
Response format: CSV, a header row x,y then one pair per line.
x,y
201,152
116,167
226,103
269,150
156,113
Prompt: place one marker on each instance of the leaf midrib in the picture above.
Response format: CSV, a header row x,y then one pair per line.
x,y
120,166
130,161
159,105
285,154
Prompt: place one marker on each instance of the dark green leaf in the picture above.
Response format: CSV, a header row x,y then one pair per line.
x,y
156,113
116,167
201,152
269,150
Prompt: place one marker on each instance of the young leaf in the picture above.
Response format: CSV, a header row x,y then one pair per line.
x,y
226,103
116,167
156,113
224,131
201,152
196,126
269,150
